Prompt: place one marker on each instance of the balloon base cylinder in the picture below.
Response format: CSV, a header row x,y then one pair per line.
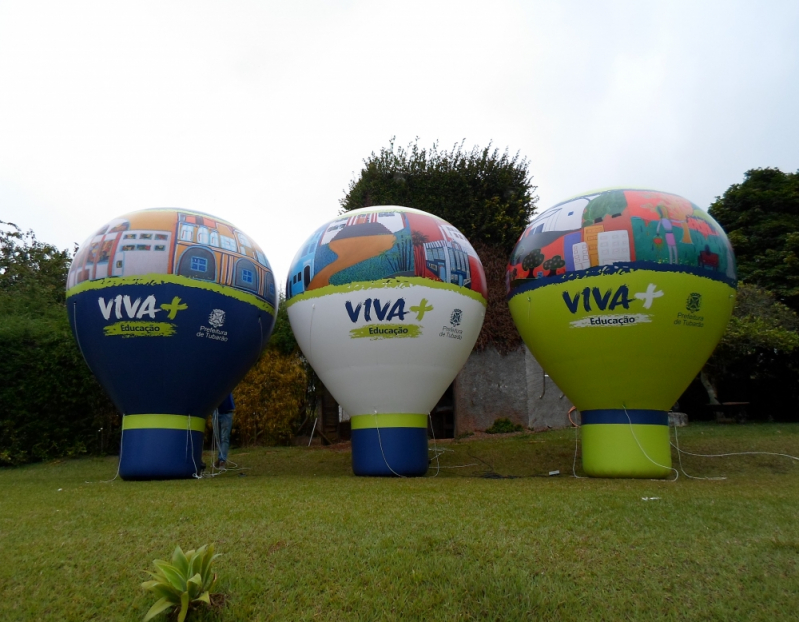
x,y
626,443
389,445
161,447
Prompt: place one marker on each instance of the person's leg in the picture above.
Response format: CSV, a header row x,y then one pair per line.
x,y
225,424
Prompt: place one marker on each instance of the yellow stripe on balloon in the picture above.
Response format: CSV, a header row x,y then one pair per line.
x,y
164,422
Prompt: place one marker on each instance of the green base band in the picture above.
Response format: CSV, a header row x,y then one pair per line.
x,y
389,420
166,422
611,450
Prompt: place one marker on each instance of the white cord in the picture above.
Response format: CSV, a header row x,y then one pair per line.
x,y
679,459
662,466
380,440
574,462
189,435
737,453
440,452
435,447
215,440
119,462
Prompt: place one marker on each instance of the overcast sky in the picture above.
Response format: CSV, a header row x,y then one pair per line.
x,y
262,112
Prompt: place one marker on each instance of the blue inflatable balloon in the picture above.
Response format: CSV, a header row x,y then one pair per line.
x,y
170,308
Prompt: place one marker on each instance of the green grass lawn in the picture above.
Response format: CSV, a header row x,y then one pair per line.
x,y
303,539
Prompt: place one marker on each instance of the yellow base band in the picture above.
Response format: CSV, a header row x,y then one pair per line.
x,y
167,422
389,420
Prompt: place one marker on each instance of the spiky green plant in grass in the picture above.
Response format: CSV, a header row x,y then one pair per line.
x,y
188,579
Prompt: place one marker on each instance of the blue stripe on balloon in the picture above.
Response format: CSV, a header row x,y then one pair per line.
x,y
618,415
520,286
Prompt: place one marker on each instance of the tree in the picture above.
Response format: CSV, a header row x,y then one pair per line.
x,y
553,265
757,359
608,203
33,274
486,194
282,338
51,404
531,260
270,399
761,218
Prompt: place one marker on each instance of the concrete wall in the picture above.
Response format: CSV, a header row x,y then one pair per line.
x,y
492,385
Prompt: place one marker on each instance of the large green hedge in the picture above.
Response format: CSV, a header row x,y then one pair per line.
x,y
50,404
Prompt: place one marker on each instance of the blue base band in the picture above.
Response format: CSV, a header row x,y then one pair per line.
x,y
160,453
619,415
405,451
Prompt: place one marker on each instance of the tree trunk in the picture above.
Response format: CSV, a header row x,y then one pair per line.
x,y
711,390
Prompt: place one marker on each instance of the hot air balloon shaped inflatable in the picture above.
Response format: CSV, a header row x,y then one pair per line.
x,y
622,295
170,308
386,304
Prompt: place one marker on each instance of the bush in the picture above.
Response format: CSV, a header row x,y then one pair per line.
x,y
487,195
270,399
51,404
503,425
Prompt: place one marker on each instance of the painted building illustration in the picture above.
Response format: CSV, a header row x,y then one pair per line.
x,y
619,227
186,243
447,259
612,246
386,243
300,273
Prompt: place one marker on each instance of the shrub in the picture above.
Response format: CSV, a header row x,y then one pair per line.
x,y
51,404
270,399
503,425
187,579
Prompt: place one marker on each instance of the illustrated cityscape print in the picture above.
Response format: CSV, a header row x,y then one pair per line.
x,y
621,227
170,241
385,244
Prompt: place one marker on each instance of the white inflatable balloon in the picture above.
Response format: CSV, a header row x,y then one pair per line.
x,y
386,304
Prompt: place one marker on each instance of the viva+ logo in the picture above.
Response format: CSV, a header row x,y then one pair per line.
x,y
124,307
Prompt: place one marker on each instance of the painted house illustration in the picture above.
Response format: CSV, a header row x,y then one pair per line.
x,y
117,250
205,249
613,246
302,270
565,217
393,221
209,250
448,258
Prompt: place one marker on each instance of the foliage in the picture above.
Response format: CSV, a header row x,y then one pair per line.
x,y
188,579
503,425
499,331
760,326
761,218
270,399
757,359
282,339
488,196
32,274
51,404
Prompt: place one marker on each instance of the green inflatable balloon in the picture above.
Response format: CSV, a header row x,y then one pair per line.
x,y
622,295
